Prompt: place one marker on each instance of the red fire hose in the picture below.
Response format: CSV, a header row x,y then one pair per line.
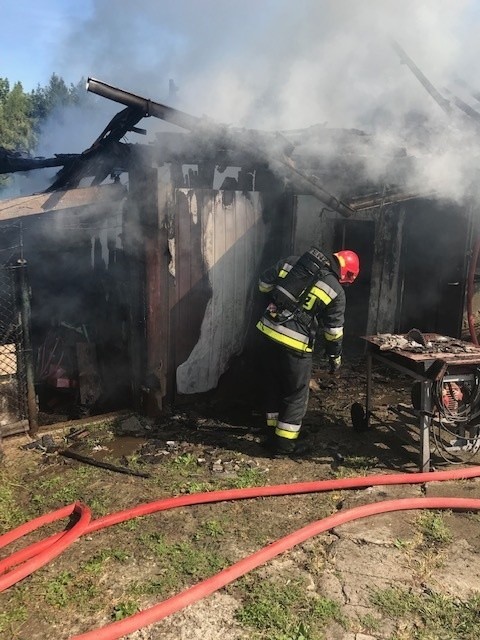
x,y
44,556
53,545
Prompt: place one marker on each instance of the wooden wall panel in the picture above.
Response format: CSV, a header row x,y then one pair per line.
x,y
232,239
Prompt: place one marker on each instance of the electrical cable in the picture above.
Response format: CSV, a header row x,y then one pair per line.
x,y
53,545
458,417
440,450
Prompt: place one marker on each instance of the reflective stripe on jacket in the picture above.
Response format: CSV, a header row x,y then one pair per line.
x,y
325,304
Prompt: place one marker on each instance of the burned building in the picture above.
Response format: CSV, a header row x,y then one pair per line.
x,y
141,292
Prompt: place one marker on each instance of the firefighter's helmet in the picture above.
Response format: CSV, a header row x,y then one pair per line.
x,y
349,266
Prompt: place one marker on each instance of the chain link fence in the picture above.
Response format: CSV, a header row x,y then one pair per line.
x,y
13,382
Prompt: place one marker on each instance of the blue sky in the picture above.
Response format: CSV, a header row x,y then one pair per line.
x,y
31,33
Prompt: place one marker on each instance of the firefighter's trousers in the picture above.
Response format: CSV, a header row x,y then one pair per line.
x,y
286,375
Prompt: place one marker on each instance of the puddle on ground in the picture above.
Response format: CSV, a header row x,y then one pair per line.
x,y
118,447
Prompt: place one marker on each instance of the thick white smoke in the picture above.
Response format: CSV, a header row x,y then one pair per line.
x,y
285,64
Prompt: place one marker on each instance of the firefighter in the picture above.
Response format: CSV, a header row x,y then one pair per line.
x,y
305,293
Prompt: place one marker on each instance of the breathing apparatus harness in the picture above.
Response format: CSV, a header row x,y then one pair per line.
x,y
291,292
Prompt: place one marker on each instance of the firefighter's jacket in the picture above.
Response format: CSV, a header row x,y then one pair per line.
x,y
323,310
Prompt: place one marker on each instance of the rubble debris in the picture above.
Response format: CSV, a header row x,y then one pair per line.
x,y
131,426
45,444
428,343
77,434
414,335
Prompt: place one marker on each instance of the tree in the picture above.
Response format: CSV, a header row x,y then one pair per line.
x,y
16,127
56,95
22,114
4,89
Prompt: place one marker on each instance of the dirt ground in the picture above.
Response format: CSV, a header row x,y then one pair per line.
x,y
395,576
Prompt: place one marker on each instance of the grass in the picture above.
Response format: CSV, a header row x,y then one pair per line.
x,y
195,487
97,564
57,590
84,582
185,460
431,525
247,478
187,477
209,529
11,514
430,615
354,466
178,564
123,610
63,488
67,590
68,485
286,611
10,620
371,623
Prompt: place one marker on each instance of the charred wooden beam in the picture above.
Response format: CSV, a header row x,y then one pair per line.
x,y
473,92
466,108
12,162
373,200
272,149
68,453
421,77
98,162
103,156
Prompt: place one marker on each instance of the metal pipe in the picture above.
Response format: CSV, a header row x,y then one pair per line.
x,y
149,107
25,313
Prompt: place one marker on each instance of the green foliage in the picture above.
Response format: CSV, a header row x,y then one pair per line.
x,y
4,89
54,97
16,125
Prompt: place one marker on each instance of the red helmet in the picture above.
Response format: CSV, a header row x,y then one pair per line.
x,y
349,266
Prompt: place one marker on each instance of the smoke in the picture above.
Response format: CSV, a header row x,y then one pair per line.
x,y
282,65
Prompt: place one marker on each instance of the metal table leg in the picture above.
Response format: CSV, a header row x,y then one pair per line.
x,y
425,422
368,399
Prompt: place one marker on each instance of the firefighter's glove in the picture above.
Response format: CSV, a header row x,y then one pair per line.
x,y
334,363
